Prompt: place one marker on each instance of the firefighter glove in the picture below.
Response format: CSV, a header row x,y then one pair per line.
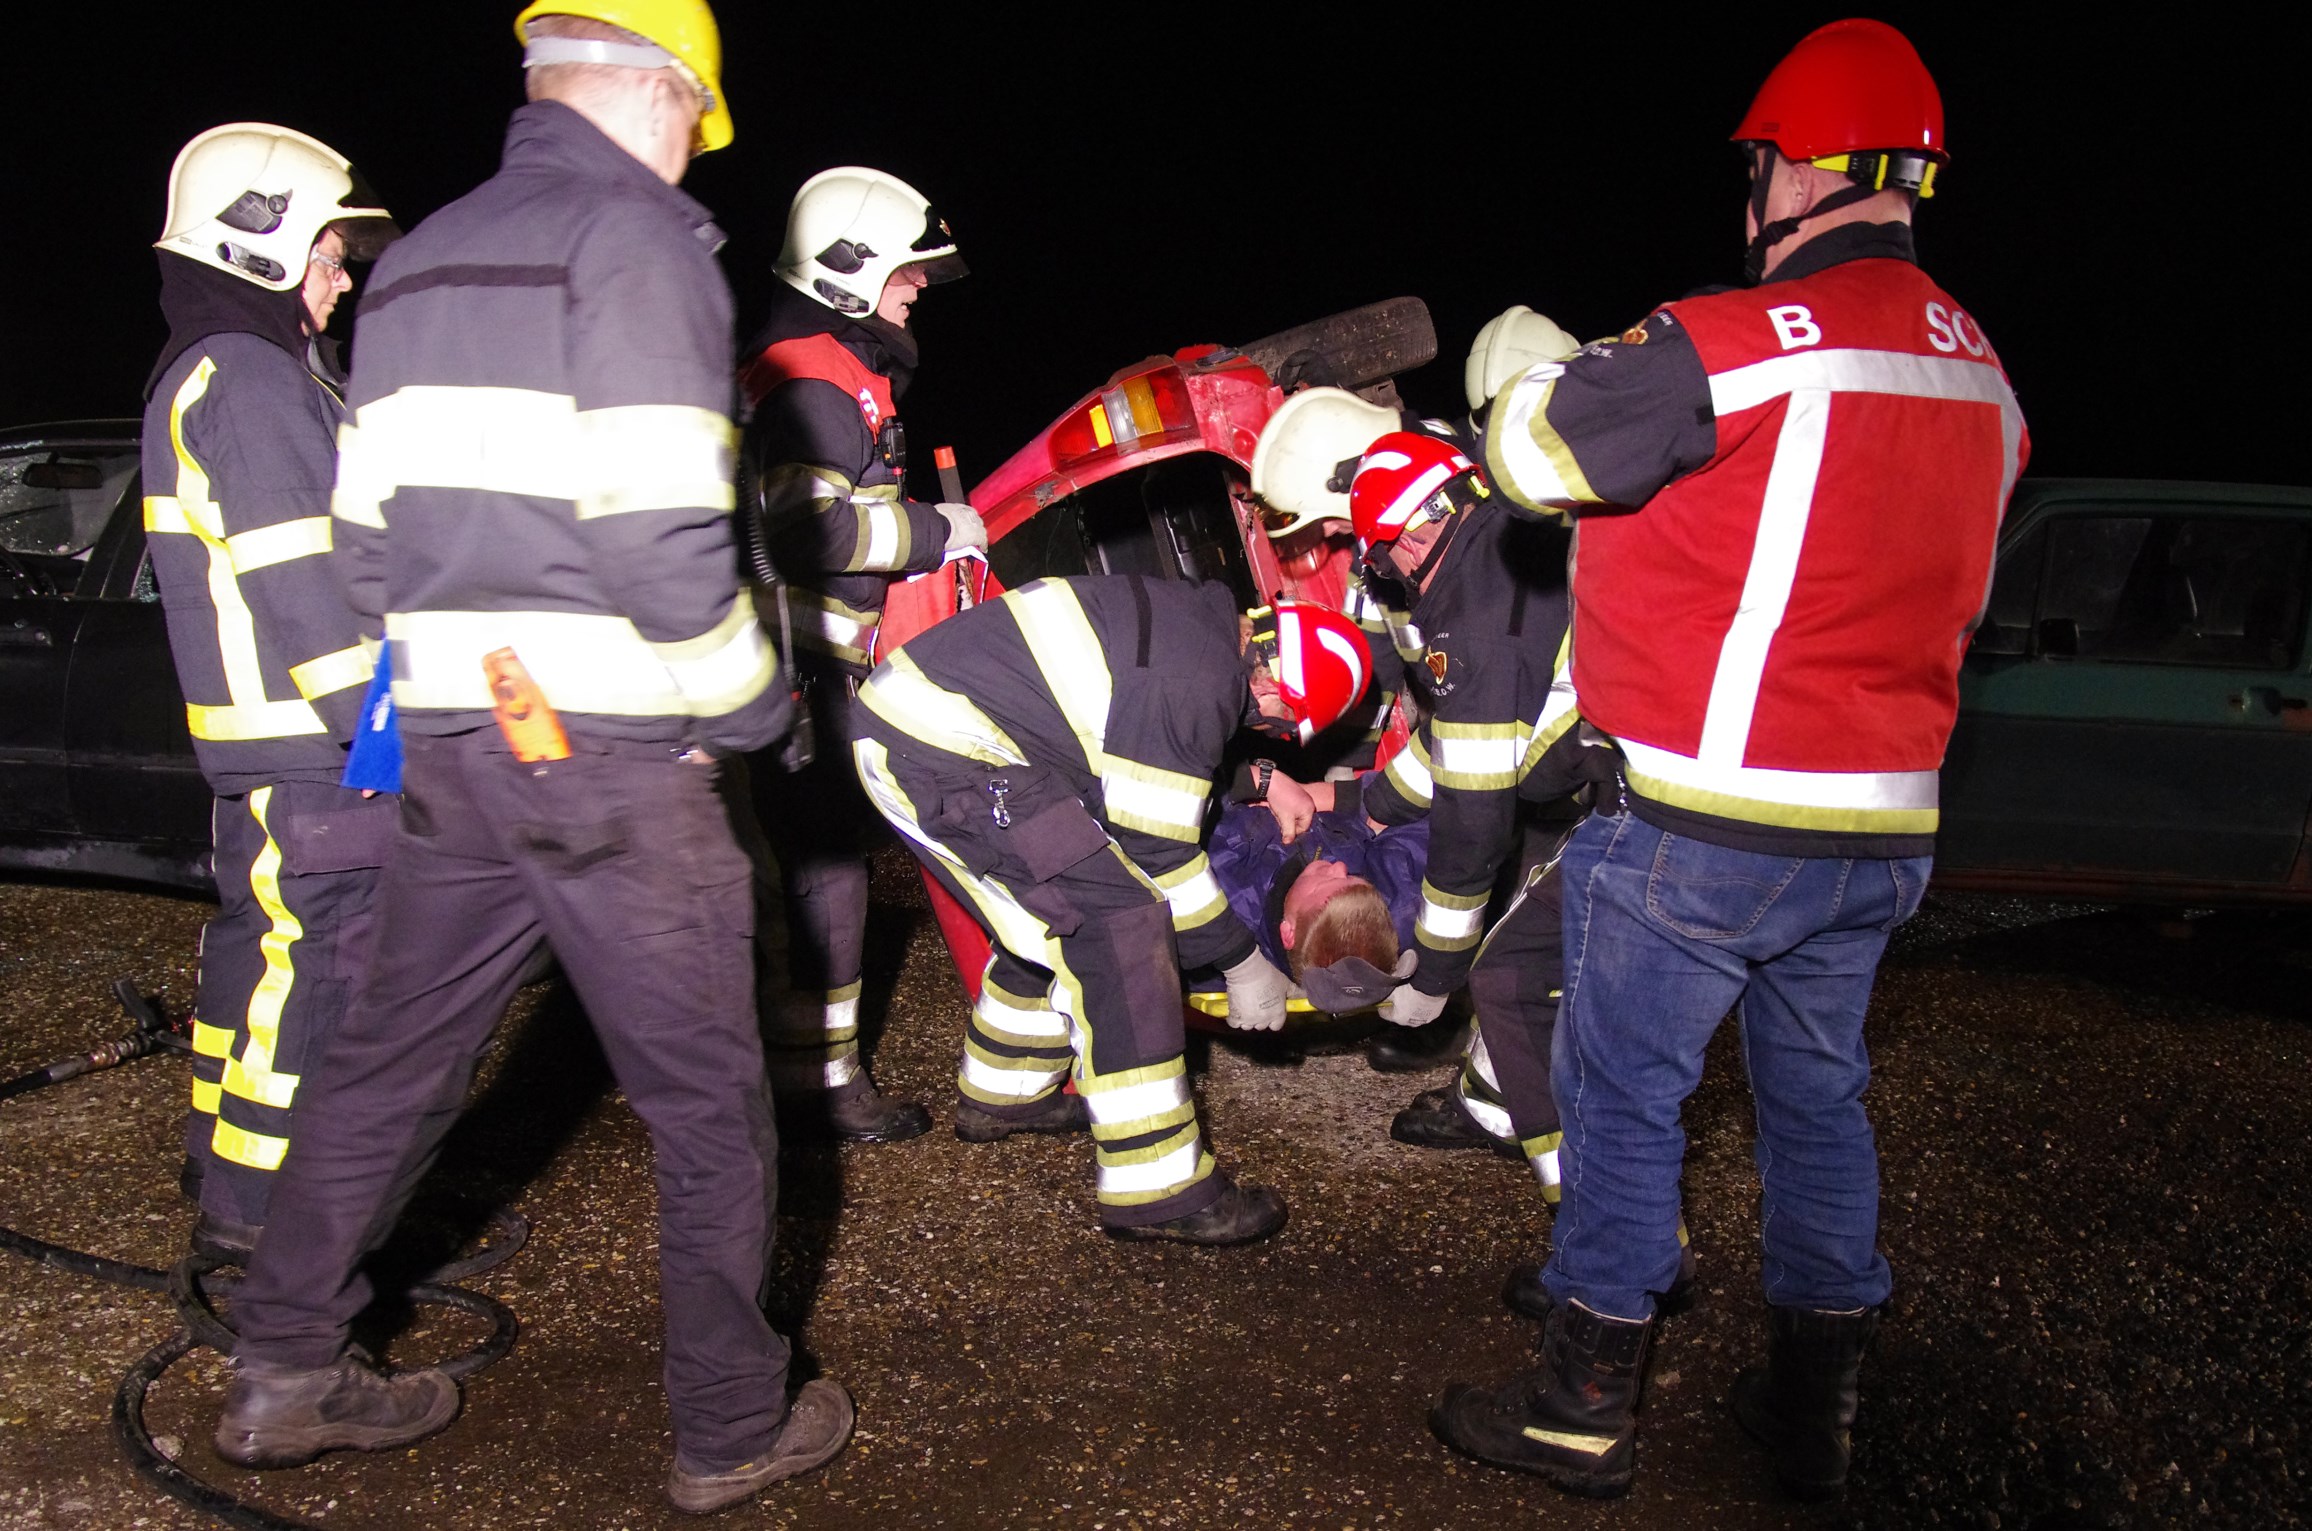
x,y
1256,994
1408,1006
964,528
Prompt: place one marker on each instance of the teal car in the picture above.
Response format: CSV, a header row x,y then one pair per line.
x,y
2135,712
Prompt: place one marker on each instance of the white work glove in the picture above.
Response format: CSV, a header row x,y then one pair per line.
x,y
965,530
1256,994
1408,1006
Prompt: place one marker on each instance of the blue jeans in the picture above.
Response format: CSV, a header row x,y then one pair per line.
x,y
1664,935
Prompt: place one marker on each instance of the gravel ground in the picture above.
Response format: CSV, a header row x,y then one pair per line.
x,y
2094,1126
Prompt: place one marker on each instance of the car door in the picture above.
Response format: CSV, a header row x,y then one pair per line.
x,y
56,500
2135,714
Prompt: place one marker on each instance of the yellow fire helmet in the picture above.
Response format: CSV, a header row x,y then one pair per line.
x,y
1512,340
683,38
251,198
1297,469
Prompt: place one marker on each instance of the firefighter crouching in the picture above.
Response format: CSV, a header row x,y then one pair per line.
x,y
1048,756
823,380
240,445
534,495
1770,639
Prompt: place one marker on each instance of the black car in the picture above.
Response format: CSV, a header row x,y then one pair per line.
x,y
97,773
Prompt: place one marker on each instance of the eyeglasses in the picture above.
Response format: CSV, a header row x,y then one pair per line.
x,y
332,263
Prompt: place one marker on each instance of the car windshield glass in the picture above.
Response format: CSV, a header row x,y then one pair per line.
x,y
54,502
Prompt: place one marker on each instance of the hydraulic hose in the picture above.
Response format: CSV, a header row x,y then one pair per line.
x,y
196,1279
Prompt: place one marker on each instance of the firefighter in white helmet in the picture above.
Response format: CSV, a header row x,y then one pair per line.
x,y
826,450
533,502
240,432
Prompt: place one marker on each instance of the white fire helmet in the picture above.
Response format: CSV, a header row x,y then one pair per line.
x,y
1298,467
851,227
251,198
1512,340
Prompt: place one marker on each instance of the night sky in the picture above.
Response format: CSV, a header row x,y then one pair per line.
x,y
2112,214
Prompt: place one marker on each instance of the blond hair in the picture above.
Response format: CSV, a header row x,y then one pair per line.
x,y
1354,922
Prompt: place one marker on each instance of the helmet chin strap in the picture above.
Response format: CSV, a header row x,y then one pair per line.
x,y
1771,234
1436,551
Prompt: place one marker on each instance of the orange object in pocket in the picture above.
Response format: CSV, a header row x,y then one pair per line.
x,y
523,713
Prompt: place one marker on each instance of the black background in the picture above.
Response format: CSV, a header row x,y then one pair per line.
x,y
1127,180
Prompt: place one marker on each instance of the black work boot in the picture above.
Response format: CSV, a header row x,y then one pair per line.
x,y
859,1116
1800,1405
285,1416
1238,1215
1059,1111
817,1426
1436,1119
1573,1421
1416,1049
1525,1295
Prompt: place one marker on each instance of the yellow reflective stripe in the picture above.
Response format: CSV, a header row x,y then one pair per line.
x,y
1870,802
583,662
1560,710
1408,772
262,720
1072,660
350,666
821,622
903,696
268,545
655,457
1476,757
1193,892
1153,800
1524,454
251,1075
208,1097
238,1145
212,1041
724,668
191,511
1449,921
355,498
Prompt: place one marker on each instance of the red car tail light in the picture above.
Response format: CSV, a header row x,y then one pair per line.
x,y
1126,416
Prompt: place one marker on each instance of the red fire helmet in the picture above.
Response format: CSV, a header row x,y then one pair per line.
x,y
1850,86
1407,478
1318,658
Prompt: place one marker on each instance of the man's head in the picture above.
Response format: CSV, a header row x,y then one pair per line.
x,y
1339,939
865,242
274,207
1847,129
1409,492
648,73
1309,666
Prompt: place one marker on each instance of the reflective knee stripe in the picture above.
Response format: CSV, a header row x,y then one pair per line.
x,y
1477,1065
910,701
1002,1079
1449,921
1005,1017
255,1150
1134,1177
820,1048
248,714
1487,1114
251,1075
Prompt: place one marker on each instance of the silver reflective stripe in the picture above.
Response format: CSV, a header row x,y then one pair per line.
x,y
581,662
1899,791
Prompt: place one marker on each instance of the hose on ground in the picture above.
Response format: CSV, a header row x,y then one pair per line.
x,y
198,1278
